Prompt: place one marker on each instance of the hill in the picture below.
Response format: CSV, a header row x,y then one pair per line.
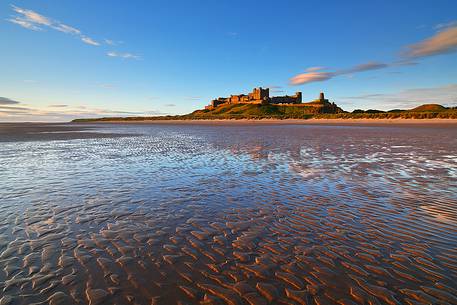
x,y
316,109
429,107
259,111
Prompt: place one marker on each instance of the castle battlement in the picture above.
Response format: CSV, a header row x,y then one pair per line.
x,y
257,96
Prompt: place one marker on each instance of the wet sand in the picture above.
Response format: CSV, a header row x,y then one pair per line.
x,y
217,214
355,122
14,132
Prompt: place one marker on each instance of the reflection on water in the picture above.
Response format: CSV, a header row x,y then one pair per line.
x,y
230,215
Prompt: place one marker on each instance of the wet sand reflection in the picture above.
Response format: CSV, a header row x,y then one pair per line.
x,y
230,215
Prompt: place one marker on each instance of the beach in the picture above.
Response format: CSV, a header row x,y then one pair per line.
x,y
228,213
443,122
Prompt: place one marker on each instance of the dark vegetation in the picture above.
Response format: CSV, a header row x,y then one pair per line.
x,y
257,111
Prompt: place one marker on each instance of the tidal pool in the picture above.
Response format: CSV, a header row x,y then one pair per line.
x,y
228,214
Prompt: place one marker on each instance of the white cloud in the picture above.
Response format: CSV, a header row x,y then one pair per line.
x,y
32,17
445,25
89,40
34,21
112,42
25,24
66,29
123,55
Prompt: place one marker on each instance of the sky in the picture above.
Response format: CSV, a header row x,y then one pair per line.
x,y
62,59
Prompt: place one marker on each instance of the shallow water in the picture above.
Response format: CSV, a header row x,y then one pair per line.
x,y
236,214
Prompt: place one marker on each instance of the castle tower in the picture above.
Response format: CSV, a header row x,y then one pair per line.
x,y
298,99
261,94
321,97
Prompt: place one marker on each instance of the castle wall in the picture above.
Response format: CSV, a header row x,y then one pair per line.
x,y
259,96
294,99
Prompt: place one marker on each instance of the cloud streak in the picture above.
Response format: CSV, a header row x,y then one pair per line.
x,y
442,42
311,77
89,40
112,42
372,65
445,41
315,74
61,112
34,21
7,101
123,55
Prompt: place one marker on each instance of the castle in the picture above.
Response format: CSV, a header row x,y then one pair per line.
x,y
257,96
262,96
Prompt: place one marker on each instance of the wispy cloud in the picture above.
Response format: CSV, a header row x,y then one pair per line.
x,y
372,65
7,101
445,25
61,112
315,74
107,86
89,40
123,55
153,97
66,29
442,42
112,42
445,41
313,69
310,77
193,98
34,21
365,96
25,24
14,108
31,17
170,105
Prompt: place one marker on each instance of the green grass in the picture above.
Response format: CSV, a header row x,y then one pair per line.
x,y
257,111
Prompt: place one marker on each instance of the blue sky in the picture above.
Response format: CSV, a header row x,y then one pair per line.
x,y
67,59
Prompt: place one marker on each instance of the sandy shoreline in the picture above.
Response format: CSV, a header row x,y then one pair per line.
x,y
450,122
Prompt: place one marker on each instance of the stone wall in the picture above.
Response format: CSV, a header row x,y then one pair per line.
x,y
257,96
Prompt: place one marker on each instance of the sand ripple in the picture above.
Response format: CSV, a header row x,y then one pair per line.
x,y
231,215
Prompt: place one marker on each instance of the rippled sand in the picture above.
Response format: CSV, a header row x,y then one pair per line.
x,y
198,214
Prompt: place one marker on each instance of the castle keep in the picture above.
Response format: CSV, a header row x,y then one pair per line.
x,y
257,96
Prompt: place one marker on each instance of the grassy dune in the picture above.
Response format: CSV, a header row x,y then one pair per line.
x,y
303,111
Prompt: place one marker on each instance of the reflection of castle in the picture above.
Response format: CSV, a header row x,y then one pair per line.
x,y
257,96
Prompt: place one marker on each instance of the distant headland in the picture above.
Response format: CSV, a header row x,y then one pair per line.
x,y
258,105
